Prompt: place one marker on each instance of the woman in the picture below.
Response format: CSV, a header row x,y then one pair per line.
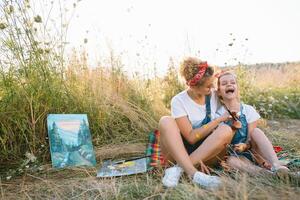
x,y
190,137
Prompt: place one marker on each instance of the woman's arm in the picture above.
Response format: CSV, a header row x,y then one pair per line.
x,y
194,135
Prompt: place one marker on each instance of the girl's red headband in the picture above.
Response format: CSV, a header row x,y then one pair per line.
x,y
202,68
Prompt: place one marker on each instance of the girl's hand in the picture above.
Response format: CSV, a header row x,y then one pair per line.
x,y
236,124
241,147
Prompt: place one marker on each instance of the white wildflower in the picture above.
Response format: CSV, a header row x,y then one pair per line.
x,y
30,156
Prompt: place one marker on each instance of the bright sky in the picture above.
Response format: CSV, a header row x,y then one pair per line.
x,y
146,33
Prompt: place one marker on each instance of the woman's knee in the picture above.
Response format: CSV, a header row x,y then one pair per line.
x,y
167,122
224,132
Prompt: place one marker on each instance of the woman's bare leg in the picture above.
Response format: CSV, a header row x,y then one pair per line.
x,y
172,144
213,145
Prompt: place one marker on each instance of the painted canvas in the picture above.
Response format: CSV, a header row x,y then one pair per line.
x,y
120,168
70,140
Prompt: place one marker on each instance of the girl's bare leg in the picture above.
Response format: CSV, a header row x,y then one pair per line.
x,y
172,145
263,146
243,164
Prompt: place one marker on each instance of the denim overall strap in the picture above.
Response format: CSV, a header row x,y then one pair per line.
x,y
241,134
207,118
192,147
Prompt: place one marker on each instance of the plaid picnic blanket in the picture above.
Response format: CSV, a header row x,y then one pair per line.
x,y
156,158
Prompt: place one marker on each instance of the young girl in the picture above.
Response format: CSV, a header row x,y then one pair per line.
x,y
191,137
246,134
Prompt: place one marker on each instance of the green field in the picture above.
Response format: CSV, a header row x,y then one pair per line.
x,y
37,79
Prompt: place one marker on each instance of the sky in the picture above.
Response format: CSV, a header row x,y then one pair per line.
x,y
145,34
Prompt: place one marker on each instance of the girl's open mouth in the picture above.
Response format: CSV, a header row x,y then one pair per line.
x,y
229,90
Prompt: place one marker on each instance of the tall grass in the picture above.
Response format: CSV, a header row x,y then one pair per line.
x,y
273,89
35,81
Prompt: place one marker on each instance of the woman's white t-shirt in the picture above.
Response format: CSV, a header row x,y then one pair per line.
x,y
183,105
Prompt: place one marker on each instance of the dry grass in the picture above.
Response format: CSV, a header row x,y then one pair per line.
x,y
81,183
283,76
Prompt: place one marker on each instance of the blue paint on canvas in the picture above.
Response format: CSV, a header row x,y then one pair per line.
x,y
70,140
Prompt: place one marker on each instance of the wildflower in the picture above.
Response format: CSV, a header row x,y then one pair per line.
x,y
30,156
3,26
271,98
38,19
286,97
9,9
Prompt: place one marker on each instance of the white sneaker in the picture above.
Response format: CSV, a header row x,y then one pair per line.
x,y
172,176
206,180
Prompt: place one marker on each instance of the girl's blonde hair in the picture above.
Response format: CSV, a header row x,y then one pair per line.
x,y
189,67
226,73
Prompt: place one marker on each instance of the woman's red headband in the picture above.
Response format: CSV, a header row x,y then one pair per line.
x,y
202,69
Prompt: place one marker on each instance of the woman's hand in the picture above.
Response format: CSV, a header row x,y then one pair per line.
x,y
203,168
225,117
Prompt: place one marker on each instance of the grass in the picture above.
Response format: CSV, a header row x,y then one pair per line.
x,y
36,80
81,184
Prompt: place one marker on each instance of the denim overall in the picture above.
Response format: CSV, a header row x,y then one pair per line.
x,y
240,136
192,147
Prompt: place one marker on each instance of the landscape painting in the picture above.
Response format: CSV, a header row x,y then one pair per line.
x,y
70,140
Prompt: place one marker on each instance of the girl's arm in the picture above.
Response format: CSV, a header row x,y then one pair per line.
x,y
194,135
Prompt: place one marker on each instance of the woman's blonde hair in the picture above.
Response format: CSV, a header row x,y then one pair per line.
x,y
189,67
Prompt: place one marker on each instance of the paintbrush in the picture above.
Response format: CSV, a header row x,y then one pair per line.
x,y
131,159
